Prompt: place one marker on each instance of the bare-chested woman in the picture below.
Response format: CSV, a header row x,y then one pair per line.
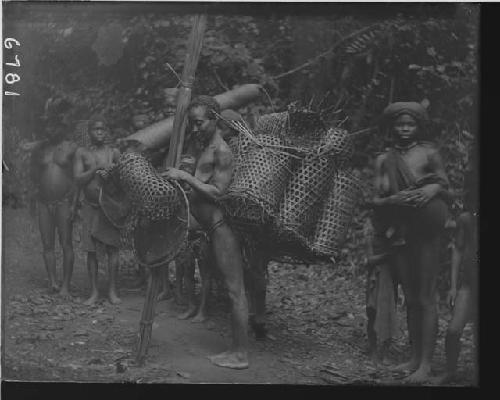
x,y
214,169
56,195
89,164
411,184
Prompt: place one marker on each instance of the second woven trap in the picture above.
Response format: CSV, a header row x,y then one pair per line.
x,y
336,213
303,197
259,181
158,226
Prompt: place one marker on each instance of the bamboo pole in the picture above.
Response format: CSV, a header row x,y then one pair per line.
x,y
176,142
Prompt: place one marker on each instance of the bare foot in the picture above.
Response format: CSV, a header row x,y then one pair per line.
x,y
442,379
92,299
113,298
233,360
164,295
191,311
200,317
53,287
407,366
64,293
421,375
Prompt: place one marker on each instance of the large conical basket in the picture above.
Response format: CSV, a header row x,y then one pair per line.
x,y
158,227
303,198
259,180
336,214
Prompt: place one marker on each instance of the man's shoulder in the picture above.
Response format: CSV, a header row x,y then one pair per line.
x,y
223,153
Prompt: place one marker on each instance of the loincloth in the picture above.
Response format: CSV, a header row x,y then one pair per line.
x,y
381,295
96,228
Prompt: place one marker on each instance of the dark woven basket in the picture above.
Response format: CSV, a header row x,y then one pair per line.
x,y
306,130
158,226
275,124
303,197
259,181
339,143
336,214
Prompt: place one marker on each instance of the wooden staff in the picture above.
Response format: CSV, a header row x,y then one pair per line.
x,y
172,160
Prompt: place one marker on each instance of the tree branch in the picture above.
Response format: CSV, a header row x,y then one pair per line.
x,y
324,54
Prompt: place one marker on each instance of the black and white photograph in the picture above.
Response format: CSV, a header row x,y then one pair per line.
x,y
240,193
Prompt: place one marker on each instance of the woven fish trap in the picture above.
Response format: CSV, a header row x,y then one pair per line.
x,y
336,214
303,197
259,180
274,124
339,143
158,227
239,146
155,197
306,130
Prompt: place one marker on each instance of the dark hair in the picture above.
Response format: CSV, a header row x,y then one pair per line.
x,y
415,110
209,103
97,118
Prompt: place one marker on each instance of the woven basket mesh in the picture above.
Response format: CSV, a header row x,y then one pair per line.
x,y
303,197
259,181
275,124
157,228
336,214
339,143
306,129
81,134
155,197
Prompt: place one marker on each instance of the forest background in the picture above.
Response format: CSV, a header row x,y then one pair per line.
x,y
347,61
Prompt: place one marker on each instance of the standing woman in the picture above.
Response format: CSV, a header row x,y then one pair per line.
x,y
56,194
412,188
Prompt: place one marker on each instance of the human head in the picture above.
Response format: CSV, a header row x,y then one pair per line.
x,y
98,129
202,114
54,128
140,121
405,120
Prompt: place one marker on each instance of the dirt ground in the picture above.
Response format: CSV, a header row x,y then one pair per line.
x,y
316,322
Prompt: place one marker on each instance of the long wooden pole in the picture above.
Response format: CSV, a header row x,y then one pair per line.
x,y
172,160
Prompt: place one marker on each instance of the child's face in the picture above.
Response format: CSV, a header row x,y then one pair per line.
x,y
98,131
405,127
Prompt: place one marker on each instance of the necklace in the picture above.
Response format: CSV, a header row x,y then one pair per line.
x,y
404,149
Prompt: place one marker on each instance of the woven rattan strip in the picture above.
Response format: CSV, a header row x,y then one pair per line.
x,y
340,144
81,134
